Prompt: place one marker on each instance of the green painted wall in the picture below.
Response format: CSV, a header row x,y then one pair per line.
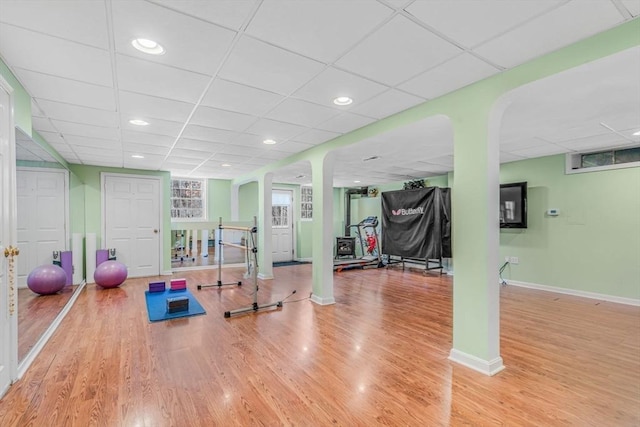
x,y
593,245
21,100
90,175
248,201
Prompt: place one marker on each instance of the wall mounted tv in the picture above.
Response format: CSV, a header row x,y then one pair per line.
x,y
513,205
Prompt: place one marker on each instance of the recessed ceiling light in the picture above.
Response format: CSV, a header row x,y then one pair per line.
x,y
137,156
356,181
268,141
148,46
138,122
226,165
636,133
342,100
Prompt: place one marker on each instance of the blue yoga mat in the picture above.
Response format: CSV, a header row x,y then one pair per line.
x,y
157,305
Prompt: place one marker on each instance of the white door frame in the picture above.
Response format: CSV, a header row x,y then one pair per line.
x,y
103,226
9,312
65,173
294,252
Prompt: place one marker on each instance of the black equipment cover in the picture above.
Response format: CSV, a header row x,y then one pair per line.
x,y
417,223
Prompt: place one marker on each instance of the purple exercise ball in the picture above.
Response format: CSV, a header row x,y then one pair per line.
x,y
47,279
110,274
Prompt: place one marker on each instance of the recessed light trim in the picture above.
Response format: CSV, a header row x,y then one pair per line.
x,y
356,182
225,165
636,133
137,156
138,122
269,141
343,100
148,46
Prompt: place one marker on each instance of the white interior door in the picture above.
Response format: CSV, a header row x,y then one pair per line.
x,y
132,222
42,212
282,225
8,314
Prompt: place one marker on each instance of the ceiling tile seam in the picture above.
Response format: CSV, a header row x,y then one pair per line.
x,y
230,48
68,104
47,118
188,15
626,13
114,72
31,30
57,77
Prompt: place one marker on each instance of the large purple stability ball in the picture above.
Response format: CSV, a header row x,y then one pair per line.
x,y
47,279
110,274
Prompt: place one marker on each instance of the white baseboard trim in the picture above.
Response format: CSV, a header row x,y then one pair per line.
x,y
487,367
304,259
167,273
575,292
322,301
42,341
263,276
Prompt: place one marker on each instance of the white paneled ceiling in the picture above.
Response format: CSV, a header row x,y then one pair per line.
x,y
237,72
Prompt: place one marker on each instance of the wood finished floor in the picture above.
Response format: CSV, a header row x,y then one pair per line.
x,y
376,357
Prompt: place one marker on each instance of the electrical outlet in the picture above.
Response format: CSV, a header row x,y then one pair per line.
x,y
514,260
506,259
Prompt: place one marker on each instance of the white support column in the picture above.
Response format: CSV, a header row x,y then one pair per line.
x,y
205,243
265,251
235,204
322,229
194,245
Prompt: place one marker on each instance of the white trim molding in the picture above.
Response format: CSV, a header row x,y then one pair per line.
x,y
265,276
487,367
322,301
577,293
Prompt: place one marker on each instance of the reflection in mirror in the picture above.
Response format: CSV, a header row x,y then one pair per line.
x,y
193,247
43,187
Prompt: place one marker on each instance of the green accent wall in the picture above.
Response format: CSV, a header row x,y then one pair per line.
x,y
248,201
593,245
90,175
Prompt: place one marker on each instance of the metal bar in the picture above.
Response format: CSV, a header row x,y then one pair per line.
x,y
230,227
235,245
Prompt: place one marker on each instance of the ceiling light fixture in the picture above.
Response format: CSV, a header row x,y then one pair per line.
x,y
137,156
138,122
342,100
269,141
636,133
356,182
226,165
148,46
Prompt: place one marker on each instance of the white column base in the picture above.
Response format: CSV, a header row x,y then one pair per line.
x,y
264,276
487,367
322,301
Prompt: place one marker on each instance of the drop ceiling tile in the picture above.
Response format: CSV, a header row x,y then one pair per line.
x,y
399,4
396,52
633,6
471,22
114,162
84,144
53,88
221,119
386,104
78,129
238,150
184,161
139,106
293,147
228,13
572,130
594,142
279,71
78,114
209,134
508,157
273,154
322,29
237,97
332,83
196,144
177,170
190,43
272,129
190,154
41,53
229,158
540,151
453,74
97,152
155,126
521,143
52,138
147,138
560,27
134,147
301,112
249,140
316,136
86,21
148,163
137,75
345,122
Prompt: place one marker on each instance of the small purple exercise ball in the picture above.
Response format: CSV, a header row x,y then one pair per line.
x,y
47,279
110,274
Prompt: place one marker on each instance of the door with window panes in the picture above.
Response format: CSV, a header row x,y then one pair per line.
x,y
282,225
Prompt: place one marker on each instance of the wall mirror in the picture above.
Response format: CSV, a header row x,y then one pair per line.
x,y
46,223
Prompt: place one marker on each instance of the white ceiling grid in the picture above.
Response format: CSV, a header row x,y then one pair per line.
x,y
236,72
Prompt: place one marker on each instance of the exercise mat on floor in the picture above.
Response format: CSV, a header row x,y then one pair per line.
x,y
157,305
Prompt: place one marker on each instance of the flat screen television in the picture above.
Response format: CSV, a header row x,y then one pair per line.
x,y
513,205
